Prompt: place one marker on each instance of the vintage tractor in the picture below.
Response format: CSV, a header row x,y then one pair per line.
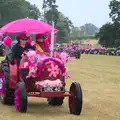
x,y
38,76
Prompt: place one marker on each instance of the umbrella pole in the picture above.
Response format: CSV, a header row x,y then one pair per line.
x,y
52,40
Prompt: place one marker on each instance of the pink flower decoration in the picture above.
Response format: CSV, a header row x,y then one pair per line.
x,y
63,57
25,64
55,54
54,70
69,59
32,43
31,53
49,83
35,63
33,70
67,75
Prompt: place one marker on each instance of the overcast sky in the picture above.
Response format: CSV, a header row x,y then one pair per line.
x,y
82,11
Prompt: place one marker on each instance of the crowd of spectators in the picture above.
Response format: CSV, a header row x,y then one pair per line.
x,y
76,48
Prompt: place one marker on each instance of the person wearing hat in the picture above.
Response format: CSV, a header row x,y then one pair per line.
x,y
20,47
40,44
15,53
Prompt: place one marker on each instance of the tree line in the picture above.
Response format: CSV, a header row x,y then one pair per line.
x,y
109,33
86,31
15,9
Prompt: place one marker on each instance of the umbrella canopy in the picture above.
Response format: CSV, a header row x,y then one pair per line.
x,y
27,25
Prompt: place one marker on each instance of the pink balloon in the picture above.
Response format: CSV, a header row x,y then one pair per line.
x,y
7,41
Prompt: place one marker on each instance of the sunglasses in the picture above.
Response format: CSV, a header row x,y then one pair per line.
x,y
25,39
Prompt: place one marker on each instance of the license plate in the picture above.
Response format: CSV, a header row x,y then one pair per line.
x,y
53,89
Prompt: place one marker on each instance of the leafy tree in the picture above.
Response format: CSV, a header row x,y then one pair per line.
x,y
115,10
33,11
64,25
86,31
75,33
106,35
89,29
115,16
50,11
109,33
15,9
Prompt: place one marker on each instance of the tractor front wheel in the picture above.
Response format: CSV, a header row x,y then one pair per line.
x,y
75,100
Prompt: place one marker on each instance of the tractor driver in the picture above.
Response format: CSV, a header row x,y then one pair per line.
x,y
20,47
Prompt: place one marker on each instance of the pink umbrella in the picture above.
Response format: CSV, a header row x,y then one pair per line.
x,y
26,25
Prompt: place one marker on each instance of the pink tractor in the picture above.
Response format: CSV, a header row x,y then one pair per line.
x,y
38,76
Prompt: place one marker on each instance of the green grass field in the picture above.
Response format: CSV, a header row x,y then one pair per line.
x,y
99,77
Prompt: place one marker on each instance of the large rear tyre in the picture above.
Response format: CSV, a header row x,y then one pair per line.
x,y
7,97
75,100
21,98
55,101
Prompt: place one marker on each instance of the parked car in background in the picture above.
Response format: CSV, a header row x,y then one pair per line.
x,y
117,52
111,51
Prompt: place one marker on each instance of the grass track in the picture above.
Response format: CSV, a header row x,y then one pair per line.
x,y
100,80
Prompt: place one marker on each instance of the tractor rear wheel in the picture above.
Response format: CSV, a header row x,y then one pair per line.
x,y
7,97
21,98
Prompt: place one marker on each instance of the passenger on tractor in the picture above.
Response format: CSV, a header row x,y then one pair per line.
x,y
40,45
